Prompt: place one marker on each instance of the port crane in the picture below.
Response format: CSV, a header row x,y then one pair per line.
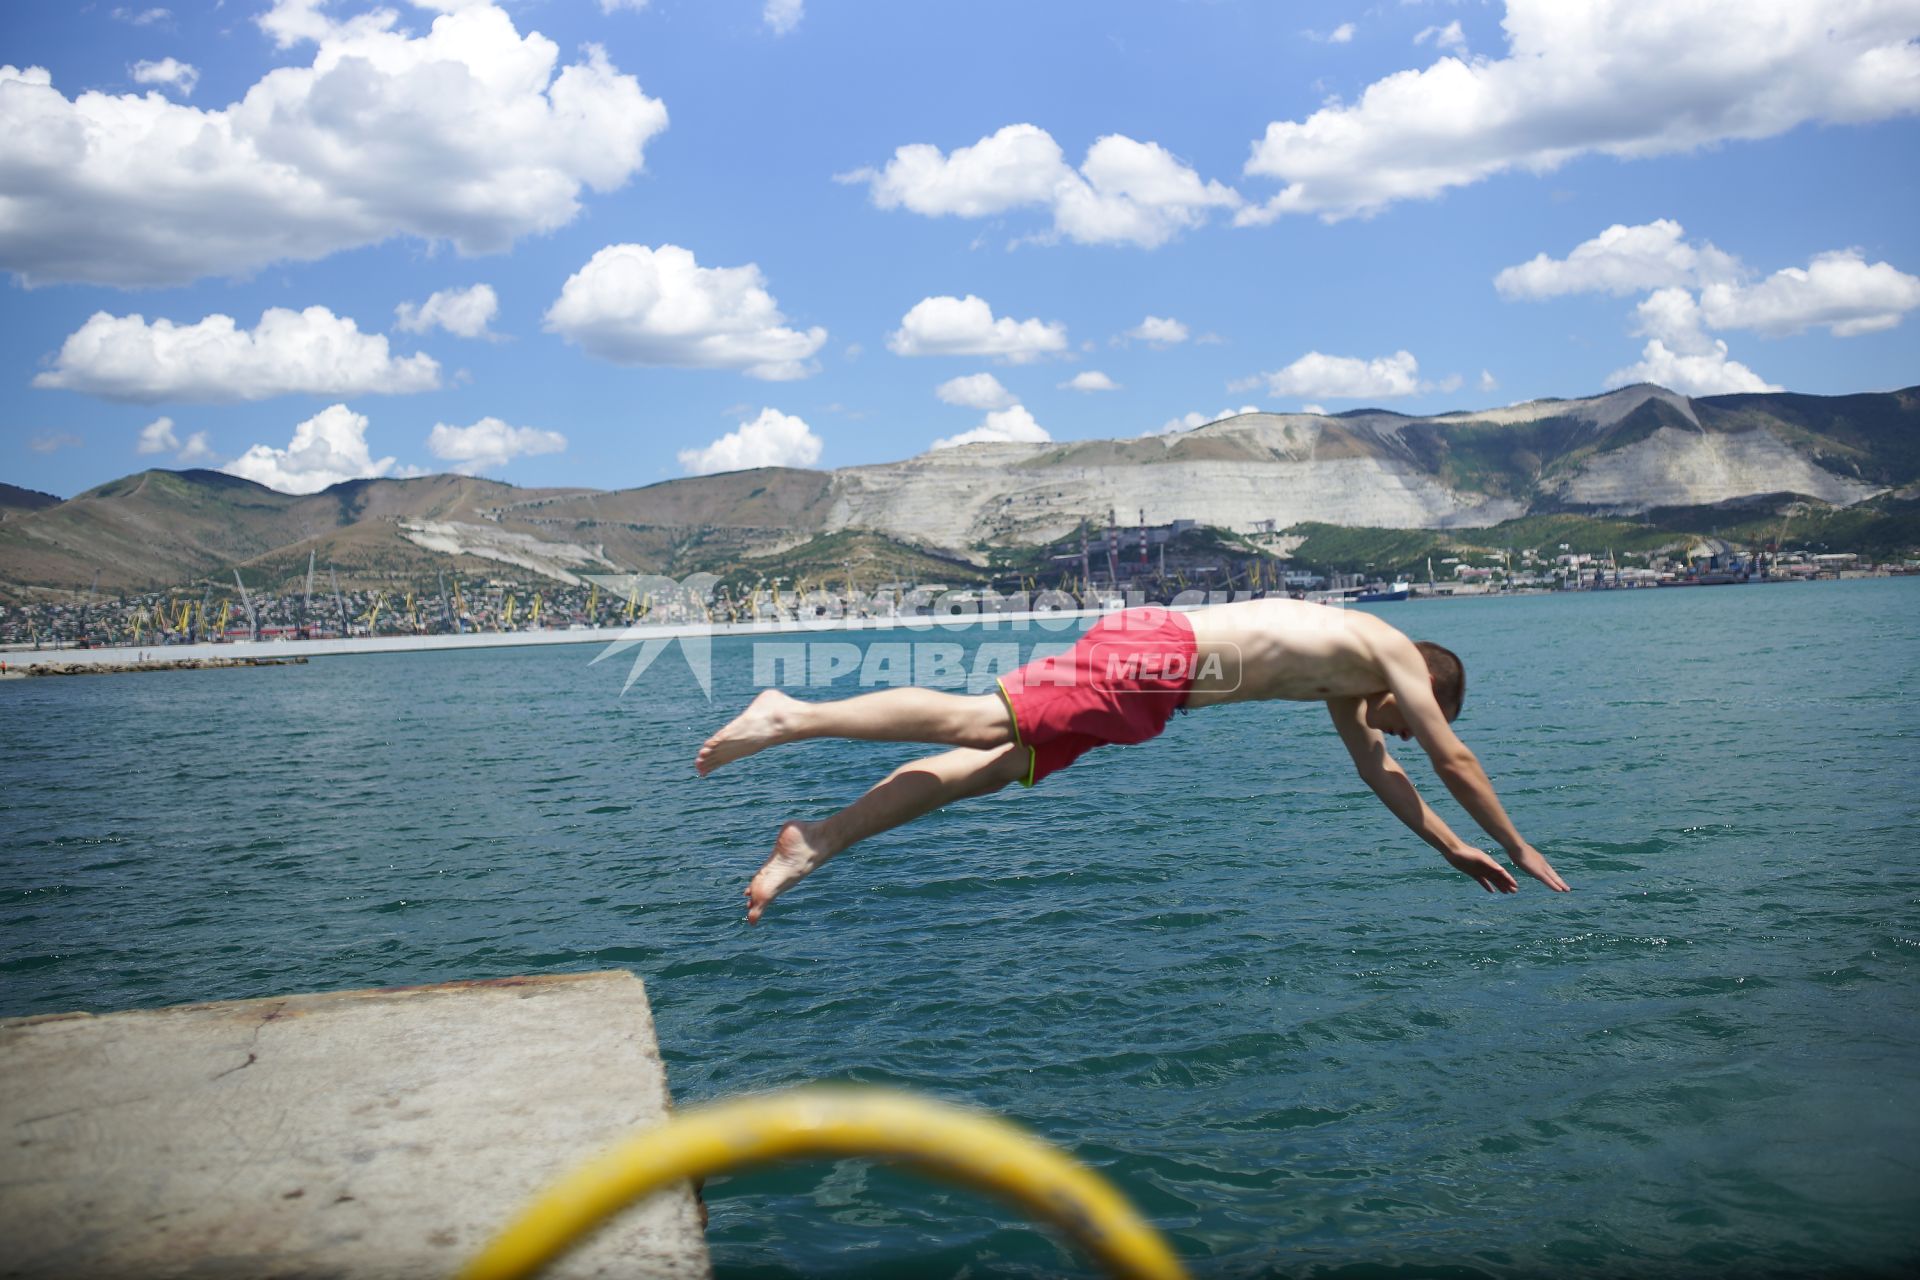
x,y
306,601
253,617
339,602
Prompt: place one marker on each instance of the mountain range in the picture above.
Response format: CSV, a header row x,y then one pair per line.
x,y
1629,452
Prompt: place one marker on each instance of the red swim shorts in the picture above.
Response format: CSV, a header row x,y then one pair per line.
x,y
1121,683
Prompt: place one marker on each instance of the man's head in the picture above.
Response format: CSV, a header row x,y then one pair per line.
x,y
1449,687
1448,676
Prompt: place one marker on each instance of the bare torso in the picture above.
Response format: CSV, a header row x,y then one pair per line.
x,y
1285,649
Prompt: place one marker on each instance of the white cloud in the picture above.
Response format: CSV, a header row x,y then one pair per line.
x,y
1708,373
157,437
1010,425
1625,78
291,22
782,16
1135,193
470,133
1839,290
312,352
1159,330
182,76
489,444
1488,382
1621,260
1449,37
54,441
1125,192
1189,421
1342,34
1021,164
975,391
1314,409
773,439
1089,380
632,304
465,312
1679,355
143,17
947,326
1347,377
326,449
613,6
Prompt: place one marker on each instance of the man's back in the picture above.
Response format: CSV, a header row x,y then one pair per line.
x,y
1286,649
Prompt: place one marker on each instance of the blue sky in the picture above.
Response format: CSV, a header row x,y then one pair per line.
x,y
578,242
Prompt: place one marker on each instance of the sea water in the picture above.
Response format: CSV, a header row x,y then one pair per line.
x,y
1211,966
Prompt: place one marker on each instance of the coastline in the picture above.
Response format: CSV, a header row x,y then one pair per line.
x,y
252,652
229,653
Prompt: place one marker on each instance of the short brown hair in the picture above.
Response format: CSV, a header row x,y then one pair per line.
x,y
1449,677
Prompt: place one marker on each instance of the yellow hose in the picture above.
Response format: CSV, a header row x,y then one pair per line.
x,y
979,1150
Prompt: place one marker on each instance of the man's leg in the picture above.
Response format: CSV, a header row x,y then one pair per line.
x,y
907,793
890,715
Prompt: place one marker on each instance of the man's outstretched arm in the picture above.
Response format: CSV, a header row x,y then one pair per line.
x,y
1456,765
1389,781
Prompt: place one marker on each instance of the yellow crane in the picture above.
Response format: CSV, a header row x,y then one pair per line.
x,y
506,618
413,619
372,617
633,603
533,623
226,607
593,601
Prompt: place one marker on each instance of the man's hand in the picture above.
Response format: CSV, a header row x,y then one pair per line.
x,y
1530,861
1490,875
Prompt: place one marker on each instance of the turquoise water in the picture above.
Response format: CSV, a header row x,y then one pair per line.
x,y
1212,965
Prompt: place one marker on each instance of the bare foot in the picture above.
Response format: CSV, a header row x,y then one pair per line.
x,y
794,855
767,722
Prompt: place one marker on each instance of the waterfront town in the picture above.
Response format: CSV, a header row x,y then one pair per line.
x,y
1099,572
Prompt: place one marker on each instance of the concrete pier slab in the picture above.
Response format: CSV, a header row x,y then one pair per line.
x,y
353,1134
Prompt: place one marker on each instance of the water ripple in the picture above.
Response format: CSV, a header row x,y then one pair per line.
x,y
1212,967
